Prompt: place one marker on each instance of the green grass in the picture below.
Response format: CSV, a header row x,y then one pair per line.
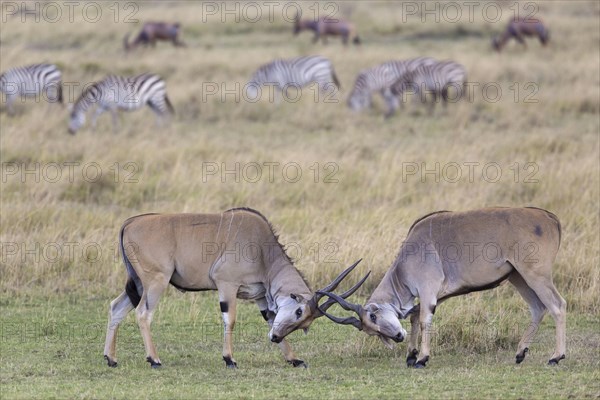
x,y
54,350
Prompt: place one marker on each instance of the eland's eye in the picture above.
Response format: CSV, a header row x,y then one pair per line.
x,y
298,313
373,318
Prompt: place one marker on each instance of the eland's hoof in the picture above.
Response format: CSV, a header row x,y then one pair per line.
x,y
411,360
521,356
554,361
111,363
229,363
422,363
298,363
153,364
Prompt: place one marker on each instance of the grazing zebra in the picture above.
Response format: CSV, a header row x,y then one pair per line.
x,y
124,93
434,79
31,80
380,78
296,72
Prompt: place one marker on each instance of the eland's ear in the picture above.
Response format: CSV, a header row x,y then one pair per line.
x,y
397,311
373,308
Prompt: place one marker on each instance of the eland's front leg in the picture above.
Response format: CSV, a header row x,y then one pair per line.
x,y
285,347
228,302
415,329
427,308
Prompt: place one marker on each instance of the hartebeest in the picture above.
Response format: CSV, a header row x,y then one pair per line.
x,y
326,26
236,253
153,31
518,28
448,254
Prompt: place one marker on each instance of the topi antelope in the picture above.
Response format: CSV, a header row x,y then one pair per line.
x,y
518,28
236,253
326,26
442,257
153,31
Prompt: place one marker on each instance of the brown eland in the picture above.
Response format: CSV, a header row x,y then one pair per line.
x,y
449,254
518,28
236,253
327,26
153,31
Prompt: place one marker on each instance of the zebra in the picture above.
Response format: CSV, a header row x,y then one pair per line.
x,y
380,78
435,79
31,80
124,93
297,72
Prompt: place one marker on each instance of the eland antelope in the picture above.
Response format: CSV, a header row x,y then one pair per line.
x,y
236,253
448,254
326,26
518,29
153,31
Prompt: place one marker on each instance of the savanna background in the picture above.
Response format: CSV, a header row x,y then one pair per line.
x,y
64,198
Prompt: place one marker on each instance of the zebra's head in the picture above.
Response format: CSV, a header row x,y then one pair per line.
x,y
253,90
76,120
358,101
253,87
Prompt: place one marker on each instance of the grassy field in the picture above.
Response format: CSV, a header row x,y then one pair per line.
x,y
363,181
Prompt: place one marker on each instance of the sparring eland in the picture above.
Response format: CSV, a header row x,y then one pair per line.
x,y
448,254
236,253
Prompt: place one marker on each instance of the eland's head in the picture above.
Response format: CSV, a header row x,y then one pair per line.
x,y
294,313
381,320
298,311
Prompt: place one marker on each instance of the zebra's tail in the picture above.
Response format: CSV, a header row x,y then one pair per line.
x,y
59,89
544,35
169,105
336,81
126,42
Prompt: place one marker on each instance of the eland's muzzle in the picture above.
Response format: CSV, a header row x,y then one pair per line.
x,y
398,338
276,339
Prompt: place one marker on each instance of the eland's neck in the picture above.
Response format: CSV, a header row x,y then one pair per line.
x,y
283,278
392,290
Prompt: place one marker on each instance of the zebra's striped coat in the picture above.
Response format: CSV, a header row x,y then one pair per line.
x,y
296,72
434,79
380,78
121,93
31,80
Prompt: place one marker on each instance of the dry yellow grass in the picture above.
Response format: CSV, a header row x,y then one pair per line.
x,y
368,211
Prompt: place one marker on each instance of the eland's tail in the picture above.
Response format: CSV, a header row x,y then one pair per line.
x,y
133,288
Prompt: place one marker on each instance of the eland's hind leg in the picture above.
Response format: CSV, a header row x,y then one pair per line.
x,y
542,285
537,309
285,347
144,311
119,308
